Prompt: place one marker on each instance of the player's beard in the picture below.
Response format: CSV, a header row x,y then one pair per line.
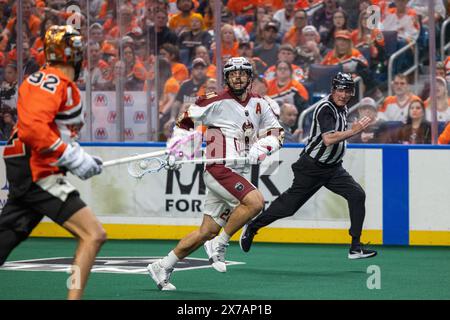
x,y
241,91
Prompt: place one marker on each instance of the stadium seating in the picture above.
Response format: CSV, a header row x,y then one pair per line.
x,y
320,76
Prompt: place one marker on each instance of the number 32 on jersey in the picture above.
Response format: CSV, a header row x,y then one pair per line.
x,y
47,82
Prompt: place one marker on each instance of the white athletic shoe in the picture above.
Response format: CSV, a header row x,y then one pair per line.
x,y
216,254
161,276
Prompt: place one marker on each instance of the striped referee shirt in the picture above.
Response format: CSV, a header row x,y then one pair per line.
x,y
327,118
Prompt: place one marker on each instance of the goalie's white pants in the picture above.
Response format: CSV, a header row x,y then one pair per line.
x,y
225,190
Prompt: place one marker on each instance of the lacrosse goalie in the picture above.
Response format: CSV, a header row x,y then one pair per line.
x,y
238,124
41,150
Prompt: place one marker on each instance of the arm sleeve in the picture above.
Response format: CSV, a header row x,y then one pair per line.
x,y
37,110
327,120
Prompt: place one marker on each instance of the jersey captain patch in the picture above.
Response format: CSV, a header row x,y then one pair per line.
x,y
258,108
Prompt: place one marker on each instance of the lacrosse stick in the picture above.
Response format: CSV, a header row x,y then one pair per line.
x,y
139,169
135,158
187,147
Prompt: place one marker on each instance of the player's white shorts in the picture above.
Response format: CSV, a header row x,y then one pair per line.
x,y
226,189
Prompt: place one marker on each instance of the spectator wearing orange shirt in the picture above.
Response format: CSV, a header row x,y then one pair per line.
x,y
294,36
402,19
30,64
242,10
307,4
108,9
135,71
239,30
127,21
284,89
229,43
48,21
444,137
272,5
285,16
167,90
2,59
395,108
181,21
38,44
172,54
32,20
351,59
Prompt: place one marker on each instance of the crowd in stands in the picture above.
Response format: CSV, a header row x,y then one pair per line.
x,y
168,47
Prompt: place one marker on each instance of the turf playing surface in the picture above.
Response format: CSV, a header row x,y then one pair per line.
x,y
271,271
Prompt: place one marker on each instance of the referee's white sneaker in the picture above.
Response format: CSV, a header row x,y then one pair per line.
x,y
359,252
216,254
161,276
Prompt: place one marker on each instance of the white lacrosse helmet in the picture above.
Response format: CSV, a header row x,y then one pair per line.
x,y
238,63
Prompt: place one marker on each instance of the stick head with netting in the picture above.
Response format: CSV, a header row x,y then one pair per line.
x,y
185,148
137,169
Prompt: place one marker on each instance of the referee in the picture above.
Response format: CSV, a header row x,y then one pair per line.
x,y
320,165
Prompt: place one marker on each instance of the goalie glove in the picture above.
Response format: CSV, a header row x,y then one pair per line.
x,y
79,163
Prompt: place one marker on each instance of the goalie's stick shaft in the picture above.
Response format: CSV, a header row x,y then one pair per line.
x,y
134,158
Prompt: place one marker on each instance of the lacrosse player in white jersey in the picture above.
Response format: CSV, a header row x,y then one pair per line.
x,y
239,124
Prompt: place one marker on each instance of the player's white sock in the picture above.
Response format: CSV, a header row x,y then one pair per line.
x,y
169,261
223,237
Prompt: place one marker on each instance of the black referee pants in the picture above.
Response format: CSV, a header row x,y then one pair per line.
x,y
309,177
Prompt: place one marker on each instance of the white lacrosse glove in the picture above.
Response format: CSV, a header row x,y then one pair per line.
x,y
184,144
257,154
79,162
